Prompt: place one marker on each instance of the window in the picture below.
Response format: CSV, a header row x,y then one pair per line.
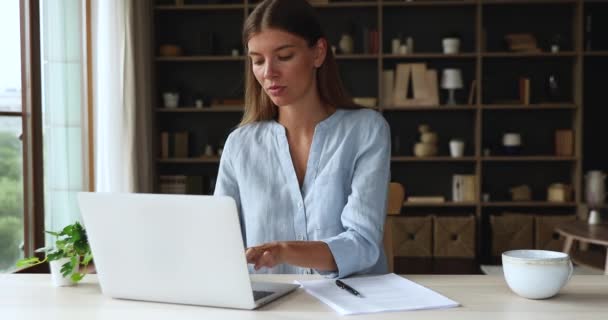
x,y
63,110
49,114
11,151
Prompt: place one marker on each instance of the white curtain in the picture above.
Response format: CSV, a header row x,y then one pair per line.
x,y
120,33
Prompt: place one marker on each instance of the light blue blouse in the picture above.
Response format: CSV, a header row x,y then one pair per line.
x,y
342,200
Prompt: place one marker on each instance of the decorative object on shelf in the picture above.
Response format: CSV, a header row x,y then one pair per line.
x,y
368,102
346,44
464,188
451,81
487,152
70,252
556,43
333,49
208,151
559,192
428,145
554,89
171,99
451,45
198,103
511,143
170,50
564,142
521,193
595,193
522,42
403,49
409,42
235,52
423,83
456,148
485,197
395,45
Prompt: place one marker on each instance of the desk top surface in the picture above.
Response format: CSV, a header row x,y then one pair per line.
x,y
32,296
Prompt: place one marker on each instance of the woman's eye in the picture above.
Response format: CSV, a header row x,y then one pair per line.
x,y
258,62
285,58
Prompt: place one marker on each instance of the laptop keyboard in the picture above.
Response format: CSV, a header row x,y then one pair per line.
x,y
257,295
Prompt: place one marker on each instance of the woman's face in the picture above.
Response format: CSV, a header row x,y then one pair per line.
x,y
284,65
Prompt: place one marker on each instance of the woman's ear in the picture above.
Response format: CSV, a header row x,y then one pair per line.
x,y
320,51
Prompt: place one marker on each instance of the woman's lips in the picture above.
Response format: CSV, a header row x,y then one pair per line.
x,y
276,90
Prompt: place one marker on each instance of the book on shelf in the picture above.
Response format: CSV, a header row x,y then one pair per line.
x,y
174,144
464,188
564,142
524,91
421,80
425,199
472,92
388,86
185,184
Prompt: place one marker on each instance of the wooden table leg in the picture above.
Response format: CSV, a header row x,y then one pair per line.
x,y
568,244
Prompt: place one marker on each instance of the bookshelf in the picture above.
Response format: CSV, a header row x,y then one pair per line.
x,y
481,25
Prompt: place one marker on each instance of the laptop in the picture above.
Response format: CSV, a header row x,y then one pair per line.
x,y
172,248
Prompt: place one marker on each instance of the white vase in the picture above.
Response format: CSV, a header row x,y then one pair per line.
x,y
58,279
456,148
346,44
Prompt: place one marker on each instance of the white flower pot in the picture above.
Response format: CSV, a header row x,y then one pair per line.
x,y
58,279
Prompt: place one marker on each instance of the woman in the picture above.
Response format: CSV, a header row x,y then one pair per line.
x,y
308,170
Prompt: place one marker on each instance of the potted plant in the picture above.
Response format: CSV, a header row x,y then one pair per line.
x,y
70,252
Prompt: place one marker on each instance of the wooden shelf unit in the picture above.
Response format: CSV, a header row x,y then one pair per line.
x,y
479,60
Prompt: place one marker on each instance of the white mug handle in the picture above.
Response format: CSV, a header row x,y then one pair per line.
x,y
571,266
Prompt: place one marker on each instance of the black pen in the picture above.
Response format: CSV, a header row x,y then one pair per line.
x,y
348,288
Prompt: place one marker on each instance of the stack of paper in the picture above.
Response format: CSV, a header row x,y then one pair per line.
x,y
379,294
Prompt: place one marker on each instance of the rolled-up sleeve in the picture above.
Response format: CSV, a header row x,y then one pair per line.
x,y
359,247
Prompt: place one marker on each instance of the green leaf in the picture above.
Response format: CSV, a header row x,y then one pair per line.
x,y
53,233
77,276
67,268
28,262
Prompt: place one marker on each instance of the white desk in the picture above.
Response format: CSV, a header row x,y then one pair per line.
x,y
28,296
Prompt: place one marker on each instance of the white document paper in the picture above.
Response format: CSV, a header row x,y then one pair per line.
x,y
379,294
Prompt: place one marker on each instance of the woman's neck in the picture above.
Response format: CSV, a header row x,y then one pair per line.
x,y
301,118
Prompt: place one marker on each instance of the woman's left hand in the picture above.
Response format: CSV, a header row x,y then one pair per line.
x,y
267,255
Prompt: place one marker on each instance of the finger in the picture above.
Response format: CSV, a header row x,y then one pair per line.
x,y
267,259
252,255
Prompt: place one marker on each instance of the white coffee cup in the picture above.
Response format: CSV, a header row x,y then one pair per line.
x,y
456,148
536,274
451,45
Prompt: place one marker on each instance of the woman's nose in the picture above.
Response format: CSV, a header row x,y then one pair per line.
x,y
270,70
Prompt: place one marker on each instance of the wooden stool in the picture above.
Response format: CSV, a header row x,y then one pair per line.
x,y
585,233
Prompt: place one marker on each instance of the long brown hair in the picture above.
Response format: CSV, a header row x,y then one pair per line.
x,y
299,18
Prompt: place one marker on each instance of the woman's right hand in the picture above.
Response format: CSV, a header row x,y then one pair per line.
x,y
267,255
